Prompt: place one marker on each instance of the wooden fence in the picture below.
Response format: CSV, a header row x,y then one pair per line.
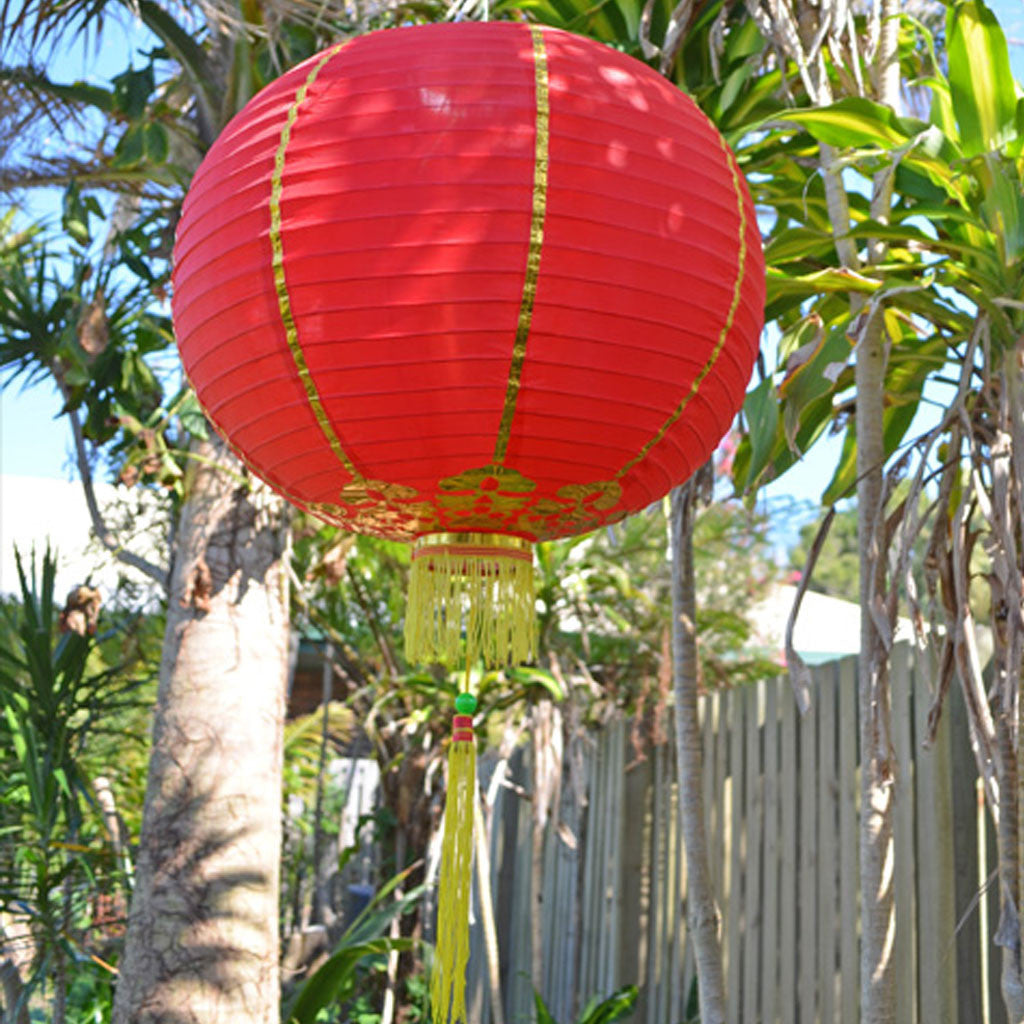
x,y
781,794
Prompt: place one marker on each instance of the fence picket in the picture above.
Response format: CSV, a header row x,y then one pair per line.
x,y
752,909
934,865
788,864
733,934
904,953
827,821
808,865
849,954
591,855
782,798
769,930
615,837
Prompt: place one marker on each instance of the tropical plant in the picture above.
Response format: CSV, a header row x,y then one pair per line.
x,y
597,1010
938,266
333,982
57,855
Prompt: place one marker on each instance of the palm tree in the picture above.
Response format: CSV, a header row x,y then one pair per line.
x,y
202,940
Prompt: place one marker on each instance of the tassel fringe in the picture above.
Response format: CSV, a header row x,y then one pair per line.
x,y
448,980
471,597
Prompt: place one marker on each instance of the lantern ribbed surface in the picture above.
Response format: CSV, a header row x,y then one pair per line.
x,y
470,277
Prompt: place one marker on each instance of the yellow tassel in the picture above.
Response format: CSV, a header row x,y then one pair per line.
x,y
448,981
471,597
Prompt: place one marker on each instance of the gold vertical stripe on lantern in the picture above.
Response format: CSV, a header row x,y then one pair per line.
x,y
539,208
281,284
737,293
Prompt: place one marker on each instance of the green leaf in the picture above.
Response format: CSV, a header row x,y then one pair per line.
x,y
761,410
832,279
845,477
131,147
192,417
335,976
980,78
543,1013
799,243
811,374
852,122
155,143
530,675
607,1011
942,114
132,90
1003,206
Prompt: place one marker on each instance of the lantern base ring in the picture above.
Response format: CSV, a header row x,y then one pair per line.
x,y
471,597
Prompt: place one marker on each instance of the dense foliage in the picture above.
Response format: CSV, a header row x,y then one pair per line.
x,y
908,229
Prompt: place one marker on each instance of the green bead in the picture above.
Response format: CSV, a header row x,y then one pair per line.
x,y
465,704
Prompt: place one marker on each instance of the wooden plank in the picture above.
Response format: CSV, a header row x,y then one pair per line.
x,y
590,925
633,945
558,943
828,824
988,854
682,940
966,795
613,890
905,947
607,825
935,875
676,890
519,992
714,741
644,1005
807,956
658,995
571,874
734,934
849,952
547,983
752,910
770,927
721,850
788,855
707,706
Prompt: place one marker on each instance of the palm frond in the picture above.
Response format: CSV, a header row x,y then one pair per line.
x,y
40,28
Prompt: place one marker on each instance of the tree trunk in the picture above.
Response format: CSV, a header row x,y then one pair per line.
x,y
877,854
16,951
202,942
702,912
1006,587
878,1003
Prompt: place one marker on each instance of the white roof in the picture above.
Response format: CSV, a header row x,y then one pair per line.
x,y
826,628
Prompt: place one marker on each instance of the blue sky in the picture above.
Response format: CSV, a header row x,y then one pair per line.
x,y
34,442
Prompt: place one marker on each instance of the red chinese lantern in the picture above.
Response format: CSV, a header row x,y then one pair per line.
x,y
471,286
